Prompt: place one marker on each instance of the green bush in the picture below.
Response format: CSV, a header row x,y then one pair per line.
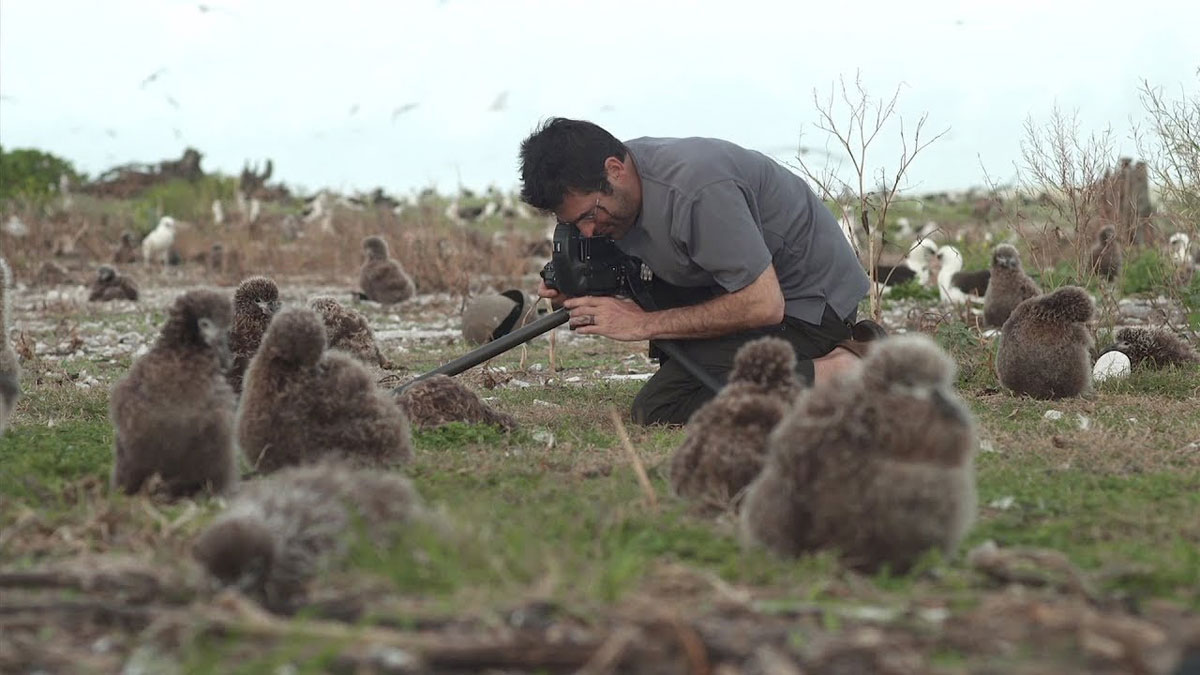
x,y
1063,274
1149,272
185,200
1191,301
912,290
32,174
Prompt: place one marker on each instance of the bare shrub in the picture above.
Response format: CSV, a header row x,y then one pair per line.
x,y
854,120
1070,174
1171,146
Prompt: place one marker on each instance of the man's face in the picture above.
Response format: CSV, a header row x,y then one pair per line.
x,y
596,214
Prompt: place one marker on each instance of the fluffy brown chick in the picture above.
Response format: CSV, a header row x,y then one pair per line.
x,y
1045,348
348,330
1008,286
440,399
302,404
726,441
126,251
110,285
1155,348
877,466
1106,254
381,277
51,273
255,301
173,412
282,531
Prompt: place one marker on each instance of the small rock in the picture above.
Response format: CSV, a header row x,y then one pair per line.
x,y
1053,415
1003,503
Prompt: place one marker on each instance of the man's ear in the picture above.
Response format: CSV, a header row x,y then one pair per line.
x,y
614,169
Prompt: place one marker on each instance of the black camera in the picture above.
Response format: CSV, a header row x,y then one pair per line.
x,y
588,265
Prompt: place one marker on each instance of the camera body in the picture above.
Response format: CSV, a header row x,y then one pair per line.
x,y
588,265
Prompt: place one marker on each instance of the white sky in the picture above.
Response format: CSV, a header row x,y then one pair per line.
x,y
279,79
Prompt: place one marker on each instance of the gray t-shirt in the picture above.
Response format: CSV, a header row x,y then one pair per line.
x,y
714,213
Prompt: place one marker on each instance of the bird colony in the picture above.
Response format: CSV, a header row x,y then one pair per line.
x,y
275,411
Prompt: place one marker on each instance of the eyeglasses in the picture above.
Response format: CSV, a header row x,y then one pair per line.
x,y
590,214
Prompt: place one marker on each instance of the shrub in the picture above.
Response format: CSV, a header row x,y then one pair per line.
x,y
912,290
185,200
1149,272
32,174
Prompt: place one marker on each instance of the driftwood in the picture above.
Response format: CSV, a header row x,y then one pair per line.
x,y
130,180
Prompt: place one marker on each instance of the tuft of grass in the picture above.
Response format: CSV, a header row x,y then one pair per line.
x,y
1149,272
186,200
456,435
38,461
912,290
974,354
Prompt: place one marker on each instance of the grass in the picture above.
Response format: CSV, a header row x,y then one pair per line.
x,y
567,524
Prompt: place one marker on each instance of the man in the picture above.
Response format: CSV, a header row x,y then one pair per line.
x,y
748,234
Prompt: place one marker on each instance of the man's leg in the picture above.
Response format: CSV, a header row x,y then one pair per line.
x,y
672,394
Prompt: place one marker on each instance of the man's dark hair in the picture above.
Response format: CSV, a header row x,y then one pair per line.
x,y
564,155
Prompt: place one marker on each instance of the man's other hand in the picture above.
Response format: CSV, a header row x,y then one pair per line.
x,y
616,318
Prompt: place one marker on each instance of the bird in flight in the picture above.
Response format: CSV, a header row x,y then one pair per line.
x,y
152,77
403,109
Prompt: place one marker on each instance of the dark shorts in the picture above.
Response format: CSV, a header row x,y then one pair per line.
x,y
673,394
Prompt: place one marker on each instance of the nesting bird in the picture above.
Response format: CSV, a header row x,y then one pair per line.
x,y
440,399
157,245
879,467
1008,286
1186,263
173,413
1179,244
915,266
492,315
302,404
283,530
10,369
255,301
110,285
126,251
1045,346
1106,253
726,442
348,330
1154,348
954,285
382,278
51,273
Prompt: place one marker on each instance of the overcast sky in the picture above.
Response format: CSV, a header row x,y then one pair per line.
x,y
408,94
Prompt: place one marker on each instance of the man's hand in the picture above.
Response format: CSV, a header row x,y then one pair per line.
x,y
615,318
555,297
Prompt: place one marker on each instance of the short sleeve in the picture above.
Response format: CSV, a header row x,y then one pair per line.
x,y
718,233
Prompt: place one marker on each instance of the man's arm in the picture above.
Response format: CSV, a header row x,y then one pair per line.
x,y
758,304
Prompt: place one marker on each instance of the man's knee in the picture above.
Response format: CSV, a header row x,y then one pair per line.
x,y
646,411
667,405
